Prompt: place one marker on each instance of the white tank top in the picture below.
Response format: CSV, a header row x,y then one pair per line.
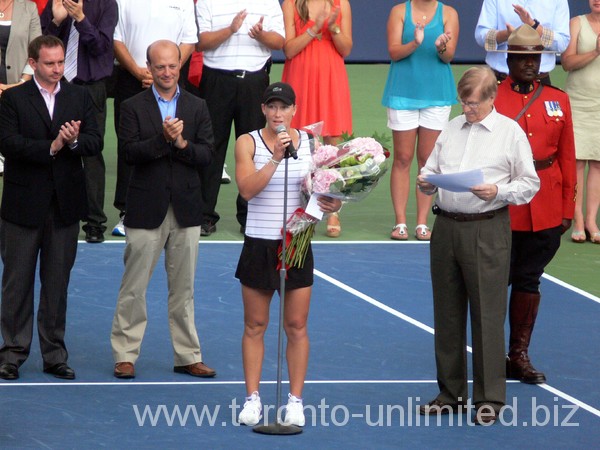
x,y
265,210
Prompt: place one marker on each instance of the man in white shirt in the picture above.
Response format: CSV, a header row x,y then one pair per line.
x,y
471,244
237,38
499,18
142,22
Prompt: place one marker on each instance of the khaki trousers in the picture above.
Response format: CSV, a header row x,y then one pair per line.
x,y
141,255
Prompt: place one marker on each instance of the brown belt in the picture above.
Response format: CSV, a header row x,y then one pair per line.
x,y
542,164
465,217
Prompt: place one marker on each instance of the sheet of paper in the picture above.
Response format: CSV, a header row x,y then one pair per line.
x,y
456,182
312,208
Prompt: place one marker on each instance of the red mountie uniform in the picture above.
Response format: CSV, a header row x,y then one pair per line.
x,y
550,133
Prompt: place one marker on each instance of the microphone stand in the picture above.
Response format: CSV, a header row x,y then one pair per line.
x,y
277,427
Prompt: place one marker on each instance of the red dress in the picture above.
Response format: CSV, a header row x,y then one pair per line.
x,y
318,76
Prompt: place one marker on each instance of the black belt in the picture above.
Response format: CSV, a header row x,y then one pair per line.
x,y
466,217
544,163
241,73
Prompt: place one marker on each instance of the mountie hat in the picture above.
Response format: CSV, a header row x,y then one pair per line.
x,y
280,91
525,40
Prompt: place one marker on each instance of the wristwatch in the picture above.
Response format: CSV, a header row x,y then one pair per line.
x,y
536,24
335,30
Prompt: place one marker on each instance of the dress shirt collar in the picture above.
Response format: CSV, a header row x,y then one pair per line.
x,y
49,97
488,121
168,108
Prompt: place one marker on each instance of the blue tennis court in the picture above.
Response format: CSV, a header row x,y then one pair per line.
x,y
371,365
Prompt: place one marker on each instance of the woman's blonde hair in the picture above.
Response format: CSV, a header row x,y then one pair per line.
x,y
302,7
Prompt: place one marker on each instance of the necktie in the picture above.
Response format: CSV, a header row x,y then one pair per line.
x,y
71,56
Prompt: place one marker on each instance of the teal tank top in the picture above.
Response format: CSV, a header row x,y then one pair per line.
x,y
421,80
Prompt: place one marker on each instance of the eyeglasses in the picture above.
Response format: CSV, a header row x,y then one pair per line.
x,y
472,105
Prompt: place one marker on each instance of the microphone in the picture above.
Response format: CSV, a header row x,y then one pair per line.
x,y
290,147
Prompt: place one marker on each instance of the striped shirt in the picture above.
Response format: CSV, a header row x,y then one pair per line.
x,y
498,146
265,210
240,51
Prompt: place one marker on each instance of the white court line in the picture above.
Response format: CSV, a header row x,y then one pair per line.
x,y
572,288
430,330
209,383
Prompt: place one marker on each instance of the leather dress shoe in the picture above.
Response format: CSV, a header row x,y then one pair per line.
x,y
198,369
9,371
124,370
61,370
94,235
437,407
485,415
206,229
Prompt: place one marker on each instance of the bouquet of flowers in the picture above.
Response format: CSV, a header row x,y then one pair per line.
x,y
347,171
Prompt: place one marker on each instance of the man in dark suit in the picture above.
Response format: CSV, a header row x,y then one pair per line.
x,y
46,126
166,135
86,29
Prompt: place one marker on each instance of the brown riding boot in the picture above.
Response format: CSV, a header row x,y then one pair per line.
x,y
523,310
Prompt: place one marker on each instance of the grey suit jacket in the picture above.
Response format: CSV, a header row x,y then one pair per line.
x,y
25,27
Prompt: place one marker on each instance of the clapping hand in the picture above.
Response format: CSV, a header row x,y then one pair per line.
x,y
73,8
523,14
442,41
335,12
257,30
237,21
419,33
172,129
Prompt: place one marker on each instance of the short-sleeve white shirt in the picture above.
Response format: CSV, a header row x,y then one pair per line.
x,y
240,51
141,22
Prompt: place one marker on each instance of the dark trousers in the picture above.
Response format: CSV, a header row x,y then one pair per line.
x,y
56,246
230,99
531,253
94,167
469,273
126,86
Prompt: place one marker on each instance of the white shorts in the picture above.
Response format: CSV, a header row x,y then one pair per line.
x,y
434,118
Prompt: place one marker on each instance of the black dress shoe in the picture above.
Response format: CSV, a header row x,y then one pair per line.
x,y
438,408
94,235
9,371
485,415
206,229
61,370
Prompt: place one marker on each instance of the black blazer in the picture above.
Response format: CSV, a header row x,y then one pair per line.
x,y
31,175
163,174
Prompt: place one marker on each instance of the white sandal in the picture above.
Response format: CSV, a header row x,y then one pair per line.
x,y
401,234
422,232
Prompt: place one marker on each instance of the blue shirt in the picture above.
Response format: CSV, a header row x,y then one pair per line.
x,y
553,15
168,108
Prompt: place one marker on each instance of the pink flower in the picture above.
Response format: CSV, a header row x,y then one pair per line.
x,y
366,145
324,155
323,179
